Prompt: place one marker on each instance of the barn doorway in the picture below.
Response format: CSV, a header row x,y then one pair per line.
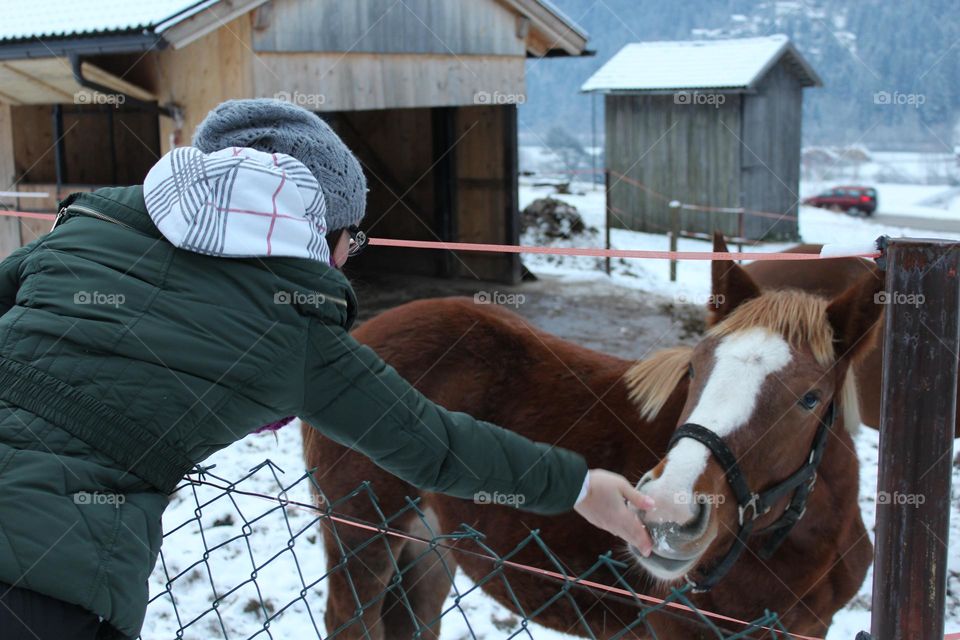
x,y
440,173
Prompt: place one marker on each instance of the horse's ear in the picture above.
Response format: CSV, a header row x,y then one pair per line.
x,y
854,314
732,285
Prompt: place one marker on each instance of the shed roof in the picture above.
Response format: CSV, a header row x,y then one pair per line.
x,y
65,18
735,64
157,22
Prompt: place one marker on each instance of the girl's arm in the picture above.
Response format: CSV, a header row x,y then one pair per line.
x,y
355,398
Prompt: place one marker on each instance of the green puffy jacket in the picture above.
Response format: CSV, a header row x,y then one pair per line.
x,y
124,362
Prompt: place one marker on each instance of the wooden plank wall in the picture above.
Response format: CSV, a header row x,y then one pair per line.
x,y
451,27
9,227
27,158
400,157
356,81
487,210
88,134
330,55
770,159
217,67
687,152
395,148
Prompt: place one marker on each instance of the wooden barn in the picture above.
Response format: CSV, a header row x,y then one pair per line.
x,y
424,91
712,123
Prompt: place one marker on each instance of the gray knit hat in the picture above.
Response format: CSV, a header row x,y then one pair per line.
x,y
275,126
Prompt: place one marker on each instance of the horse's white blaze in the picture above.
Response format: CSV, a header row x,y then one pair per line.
x,y
742,362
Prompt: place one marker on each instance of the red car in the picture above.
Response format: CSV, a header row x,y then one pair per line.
x,y
850,199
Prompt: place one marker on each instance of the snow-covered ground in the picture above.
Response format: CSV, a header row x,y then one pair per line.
x,y
289,538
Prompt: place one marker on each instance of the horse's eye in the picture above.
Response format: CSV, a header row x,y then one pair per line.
x,y
690,370
810,400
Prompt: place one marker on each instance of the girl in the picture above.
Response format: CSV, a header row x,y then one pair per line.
x,y
156,324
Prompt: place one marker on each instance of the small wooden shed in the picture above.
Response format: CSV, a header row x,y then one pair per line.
x,y
424,91
713,123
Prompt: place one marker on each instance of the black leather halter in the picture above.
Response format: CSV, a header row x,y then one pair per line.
x,y
751,506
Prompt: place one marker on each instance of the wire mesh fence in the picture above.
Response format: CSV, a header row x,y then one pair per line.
x,y
246,559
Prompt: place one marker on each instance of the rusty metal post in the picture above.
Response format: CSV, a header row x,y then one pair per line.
x,y
916,438
606,195
741,231
674,207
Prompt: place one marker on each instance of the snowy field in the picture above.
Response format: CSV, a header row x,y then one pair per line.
x,y
293,541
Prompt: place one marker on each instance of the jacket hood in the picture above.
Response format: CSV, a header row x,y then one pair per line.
x,y
238,202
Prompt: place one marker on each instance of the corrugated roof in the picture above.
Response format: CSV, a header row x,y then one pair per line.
x,y
28,19
696,64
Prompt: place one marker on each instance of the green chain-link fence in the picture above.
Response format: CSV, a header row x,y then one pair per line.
x,y
246,560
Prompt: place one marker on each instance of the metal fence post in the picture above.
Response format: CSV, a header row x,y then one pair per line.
x,y
916,438
674,207
606,213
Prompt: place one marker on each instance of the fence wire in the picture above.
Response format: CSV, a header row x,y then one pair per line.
x,y
246,560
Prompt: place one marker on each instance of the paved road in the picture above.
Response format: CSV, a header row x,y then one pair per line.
x,y
927,224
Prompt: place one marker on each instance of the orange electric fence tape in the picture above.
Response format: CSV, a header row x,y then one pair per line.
x,y
569,251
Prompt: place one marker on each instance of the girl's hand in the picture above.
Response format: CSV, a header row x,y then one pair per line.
x,y
611,503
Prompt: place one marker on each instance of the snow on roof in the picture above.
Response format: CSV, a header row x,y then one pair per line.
x,y
65,18
576,28
696,64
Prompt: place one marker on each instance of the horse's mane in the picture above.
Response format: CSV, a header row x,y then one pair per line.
x,y
651,382
801,318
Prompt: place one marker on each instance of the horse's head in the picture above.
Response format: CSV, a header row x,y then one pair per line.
x,y
762,388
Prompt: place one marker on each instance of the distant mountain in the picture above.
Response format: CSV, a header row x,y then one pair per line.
x,y
911,50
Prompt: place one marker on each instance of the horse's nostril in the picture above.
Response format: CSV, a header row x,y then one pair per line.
x,y
677,535
697,525
647,477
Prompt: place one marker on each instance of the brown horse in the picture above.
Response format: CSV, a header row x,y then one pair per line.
x,y
828,278
764,379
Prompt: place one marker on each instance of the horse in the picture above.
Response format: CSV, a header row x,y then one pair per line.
x,y
770,380
829,278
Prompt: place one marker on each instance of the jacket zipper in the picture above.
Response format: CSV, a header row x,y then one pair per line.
x,y
90,212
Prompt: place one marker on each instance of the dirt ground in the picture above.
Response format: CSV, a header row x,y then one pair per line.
x,y
595,314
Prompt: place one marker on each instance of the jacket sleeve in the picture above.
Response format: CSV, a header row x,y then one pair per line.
x,y
10,275
353,397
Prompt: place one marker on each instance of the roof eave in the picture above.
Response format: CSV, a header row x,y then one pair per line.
x,y
665,91
565,37
189,26
807,76
103,44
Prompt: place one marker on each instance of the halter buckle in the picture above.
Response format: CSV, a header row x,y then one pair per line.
x,y
752,506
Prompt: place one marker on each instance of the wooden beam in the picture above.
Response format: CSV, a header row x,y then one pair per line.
x,y
443,129
917,412
511,176
362,81
549,27
95,74
9,227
